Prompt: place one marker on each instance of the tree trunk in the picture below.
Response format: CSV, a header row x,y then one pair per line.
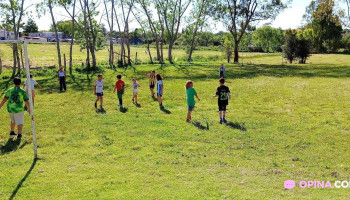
x,y
0,65
57,40
170,51
72,41
236,55
14,48
149,53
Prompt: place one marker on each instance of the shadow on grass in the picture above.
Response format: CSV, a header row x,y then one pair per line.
x,y
154,98
137,105
166,111
236,126
19,185
123,110
11,145
199,125
101,111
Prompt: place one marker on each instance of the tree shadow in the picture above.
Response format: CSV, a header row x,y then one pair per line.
x,y
166,111
11,145
236,126
19,185
199,125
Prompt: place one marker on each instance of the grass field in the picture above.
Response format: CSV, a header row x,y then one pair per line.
x,y
286,122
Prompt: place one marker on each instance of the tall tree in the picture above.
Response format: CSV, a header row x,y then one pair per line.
x,y
12,12
199,14
30,27
110,20
239,15
50,4
270,39
171,13
323,19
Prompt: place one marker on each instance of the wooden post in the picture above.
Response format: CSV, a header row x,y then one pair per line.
x,y
65,63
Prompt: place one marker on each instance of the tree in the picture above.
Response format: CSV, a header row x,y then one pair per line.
x,y
50,5
12,12
297,45
325,22
110,20
239,15
228,45
63,26
30,27
290,45
199,14
170,14
270,39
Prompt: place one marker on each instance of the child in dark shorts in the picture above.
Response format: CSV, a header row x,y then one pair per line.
x,y
223,92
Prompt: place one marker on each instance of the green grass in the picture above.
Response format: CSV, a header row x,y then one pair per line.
x,y
287,122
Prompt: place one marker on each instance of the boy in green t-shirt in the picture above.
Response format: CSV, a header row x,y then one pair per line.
x,y
191,93
15,98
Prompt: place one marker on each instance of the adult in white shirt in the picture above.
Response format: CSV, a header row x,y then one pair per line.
x,y
33,84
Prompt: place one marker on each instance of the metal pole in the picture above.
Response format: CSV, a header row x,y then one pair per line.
x,y
29,85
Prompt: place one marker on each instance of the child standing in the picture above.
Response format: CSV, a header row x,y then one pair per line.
x,y
119,86
191,93
135,90
152,81
160,90
223,92
98,91
15,98
62,79
33,84
222,71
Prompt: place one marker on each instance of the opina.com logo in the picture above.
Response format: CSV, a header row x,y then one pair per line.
x,y
290,184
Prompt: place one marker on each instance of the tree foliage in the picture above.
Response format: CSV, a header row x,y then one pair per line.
x,y
30,27
268,38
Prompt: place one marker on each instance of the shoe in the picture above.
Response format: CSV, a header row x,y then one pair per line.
x,y
12,134
224,120
188,120
19,136
220,121
96,105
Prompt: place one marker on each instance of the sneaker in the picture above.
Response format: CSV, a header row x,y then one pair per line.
x,y
220,121
19,136
188,120
224,120
96,105
12,134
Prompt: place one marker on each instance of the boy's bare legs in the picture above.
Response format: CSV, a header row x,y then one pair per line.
x,y
101,101
152,92
189,116
20,127
160,101
13,125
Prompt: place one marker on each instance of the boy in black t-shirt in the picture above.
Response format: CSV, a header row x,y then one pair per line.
x,y
223,92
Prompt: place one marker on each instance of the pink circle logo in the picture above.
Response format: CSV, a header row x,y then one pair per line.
x,y
289,184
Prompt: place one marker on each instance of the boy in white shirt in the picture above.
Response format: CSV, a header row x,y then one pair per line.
x,y
33,84
98,91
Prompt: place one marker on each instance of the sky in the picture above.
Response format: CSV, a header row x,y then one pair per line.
x,y
289,18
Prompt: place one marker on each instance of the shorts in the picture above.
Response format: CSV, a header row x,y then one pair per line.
x,y
222,107
190,108
99,94
120,94
159,94
151,86
17,118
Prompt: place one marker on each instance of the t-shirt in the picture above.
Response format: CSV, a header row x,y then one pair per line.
x,y
152,79
99,86
61,73
120,85
15,98
223,91
32,81
134,87
159,88
191,92
222,70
